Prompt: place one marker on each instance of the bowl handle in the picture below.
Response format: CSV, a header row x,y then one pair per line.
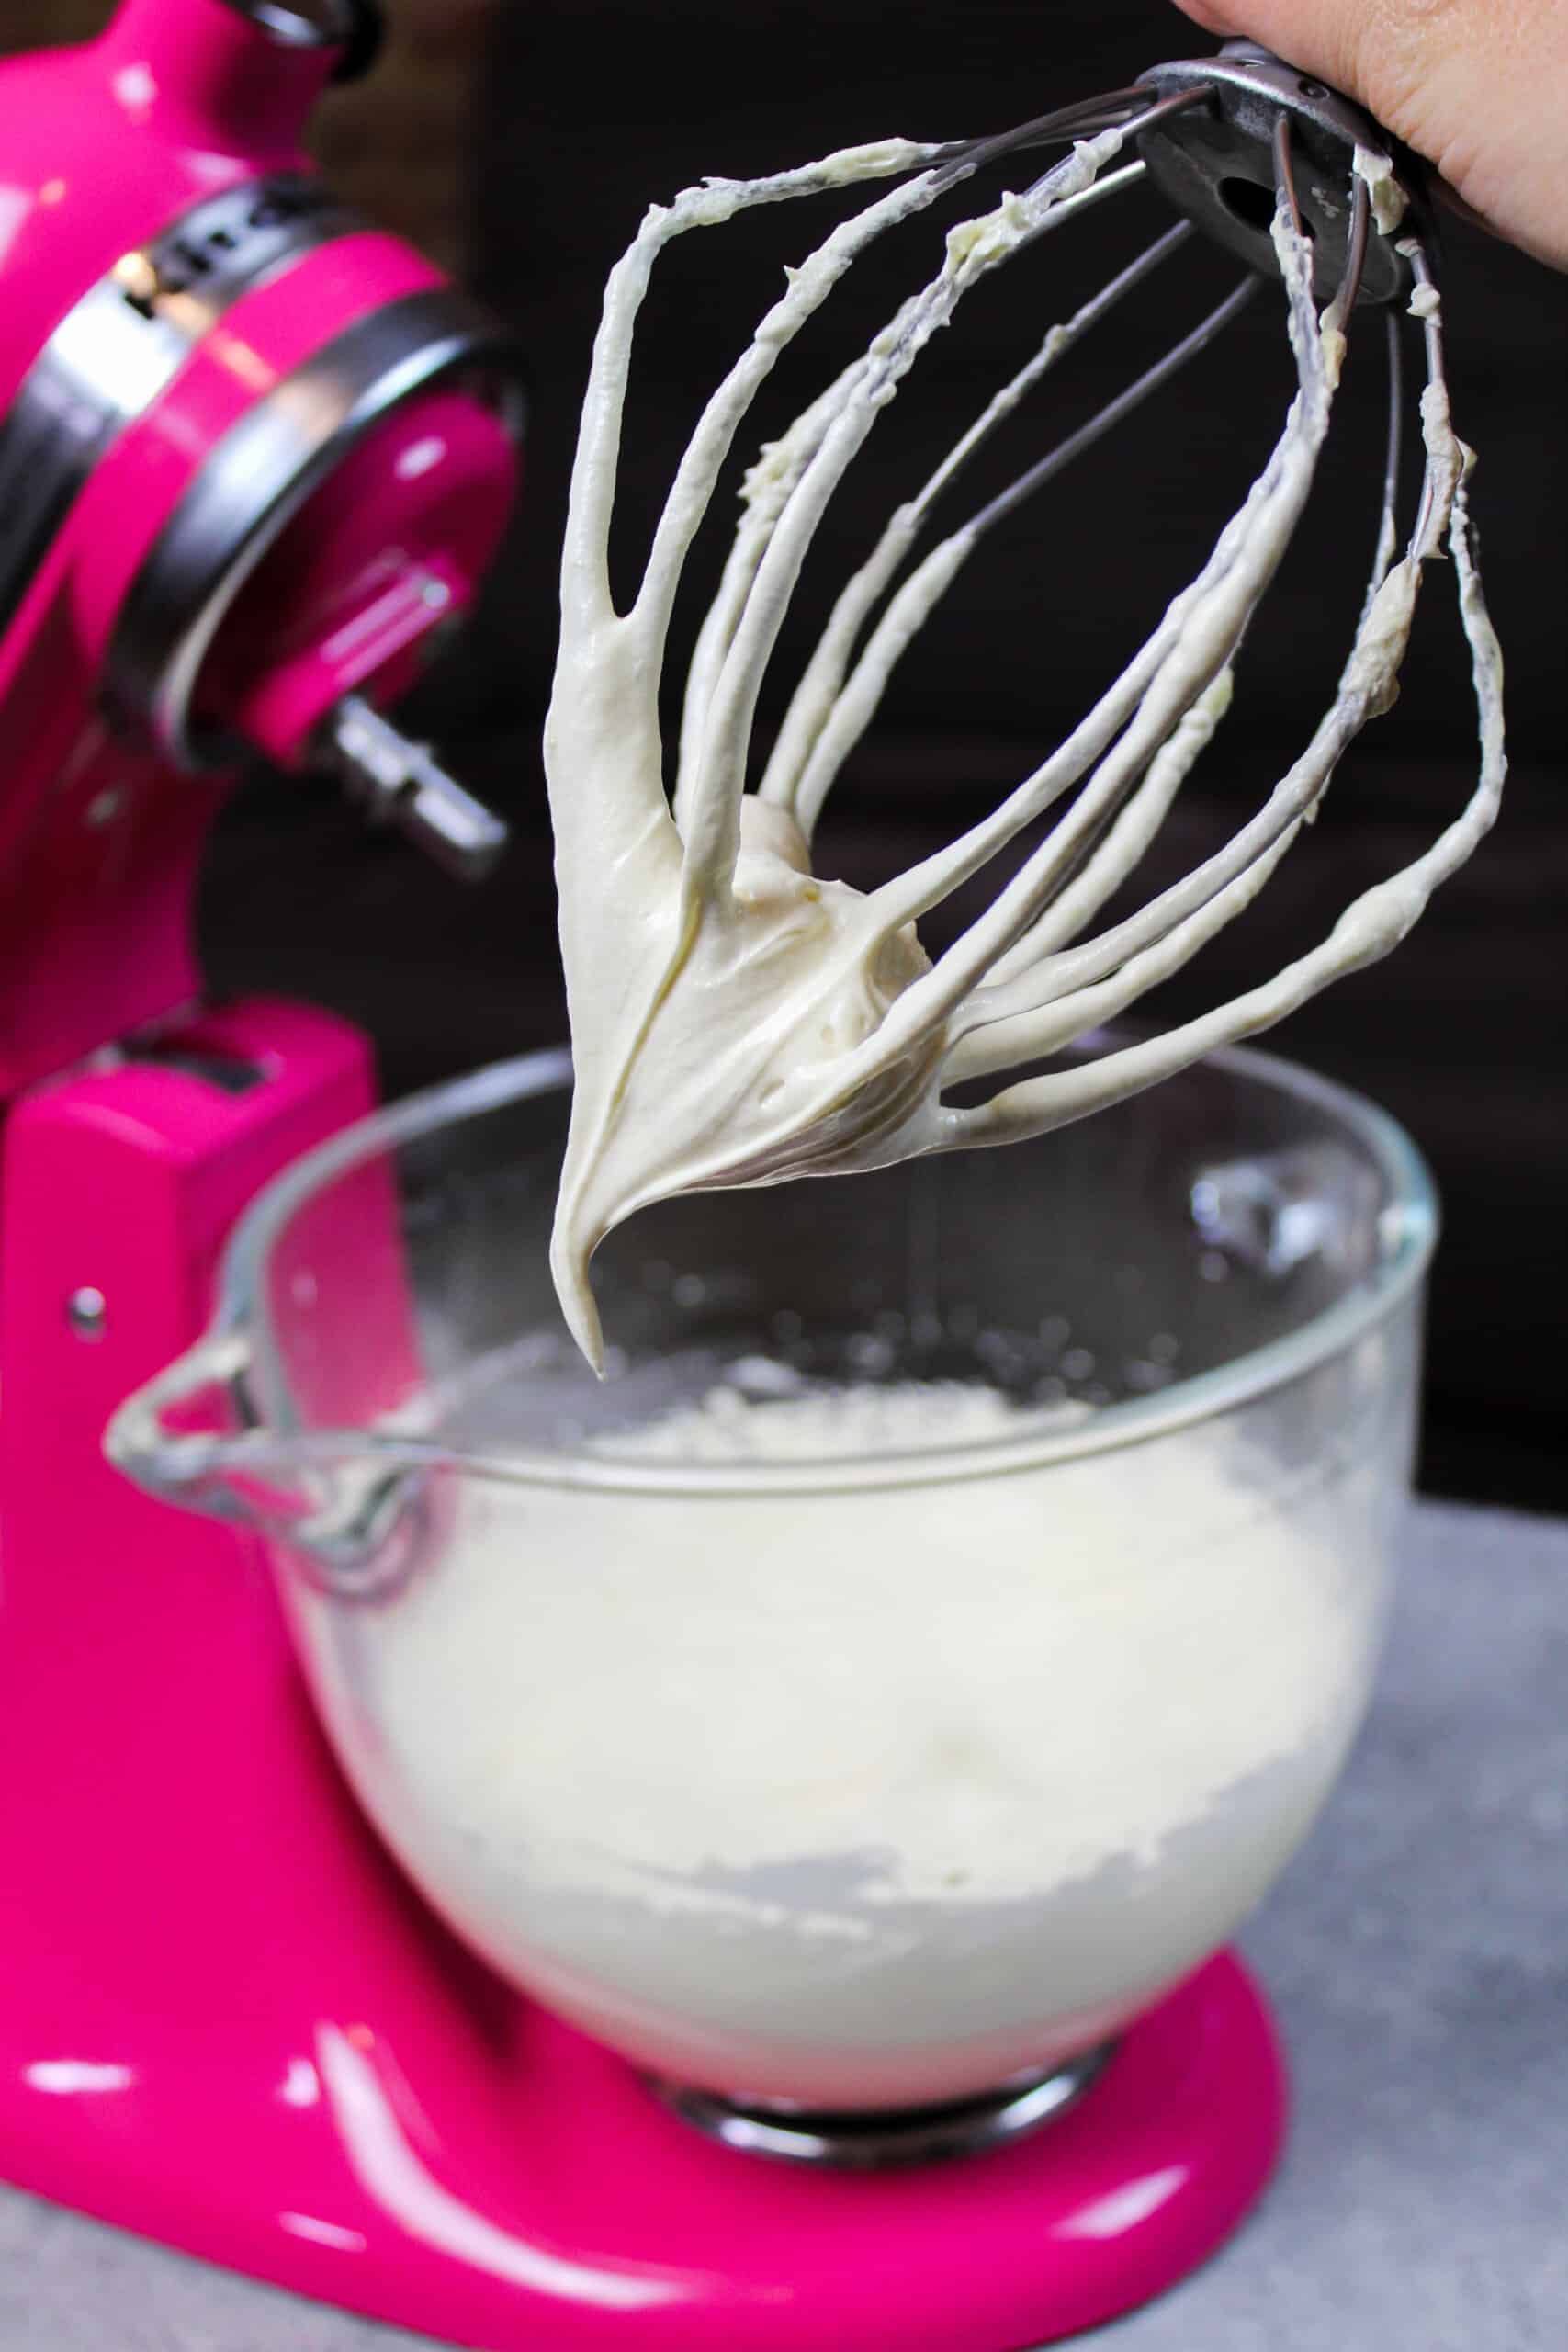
x,y
356,1513
188,1438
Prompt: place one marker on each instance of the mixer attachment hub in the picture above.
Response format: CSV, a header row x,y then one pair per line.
x,y
402,783
1216,160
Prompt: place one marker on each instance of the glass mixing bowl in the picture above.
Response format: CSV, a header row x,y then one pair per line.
x,y
930,1639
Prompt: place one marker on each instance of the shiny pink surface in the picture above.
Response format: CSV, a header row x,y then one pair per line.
x,y
103,146
98,843
193,67
393,544
225,2019
262,338
228,2022
95,911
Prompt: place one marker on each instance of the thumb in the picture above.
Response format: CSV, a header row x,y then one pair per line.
x,y
1327,37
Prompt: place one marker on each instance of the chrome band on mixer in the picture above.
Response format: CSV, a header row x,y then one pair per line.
x,y
123,343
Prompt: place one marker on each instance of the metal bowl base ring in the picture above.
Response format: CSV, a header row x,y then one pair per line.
x,y
881,2140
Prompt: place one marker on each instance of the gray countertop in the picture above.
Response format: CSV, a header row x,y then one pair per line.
x,y
1418,1954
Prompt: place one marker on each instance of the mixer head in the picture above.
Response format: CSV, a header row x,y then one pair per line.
x,y
255,457
1309,194
171,296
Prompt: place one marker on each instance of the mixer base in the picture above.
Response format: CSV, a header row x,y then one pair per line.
x,y
532,2193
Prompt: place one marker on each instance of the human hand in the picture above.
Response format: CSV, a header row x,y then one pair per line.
x,y
1479,87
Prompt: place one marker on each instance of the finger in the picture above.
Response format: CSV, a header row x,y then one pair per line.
x,y
1327,37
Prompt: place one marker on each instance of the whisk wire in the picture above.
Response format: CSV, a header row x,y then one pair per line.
x,y
1057,342
1369,927
1286,478
1225,593
1437,384
708,795
745,600
961,157
1170,928
1152,380
1260,845
1345,300
1386,543
817,734
1285,175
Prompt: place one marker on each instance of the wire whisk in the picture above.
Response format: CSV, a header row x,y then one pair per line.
x,y
739,1021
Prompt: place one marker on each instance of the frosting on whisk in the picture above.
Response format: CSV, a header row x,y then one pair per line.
x,y
736,1020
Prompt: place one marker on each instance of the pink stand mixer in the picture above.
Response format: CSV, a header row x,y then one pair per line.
x,y
253,455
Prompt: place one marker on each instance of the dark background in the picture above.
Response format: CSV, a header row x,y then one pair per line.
x,y
560,124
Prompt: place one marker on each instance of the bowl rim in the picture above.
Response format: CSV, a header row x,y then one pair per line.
x,y
1408,1231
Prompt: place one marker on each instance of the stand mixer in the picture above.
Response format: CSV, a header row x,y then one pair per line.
x,y
254,455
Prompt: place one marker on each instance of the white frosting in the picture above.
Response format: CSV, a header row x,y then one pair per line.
x,y
826,1794
795,1423
736,1020
1390,203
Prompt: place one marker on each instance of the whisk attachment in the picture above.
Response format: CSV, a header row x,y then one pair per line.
x,y
736,1019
